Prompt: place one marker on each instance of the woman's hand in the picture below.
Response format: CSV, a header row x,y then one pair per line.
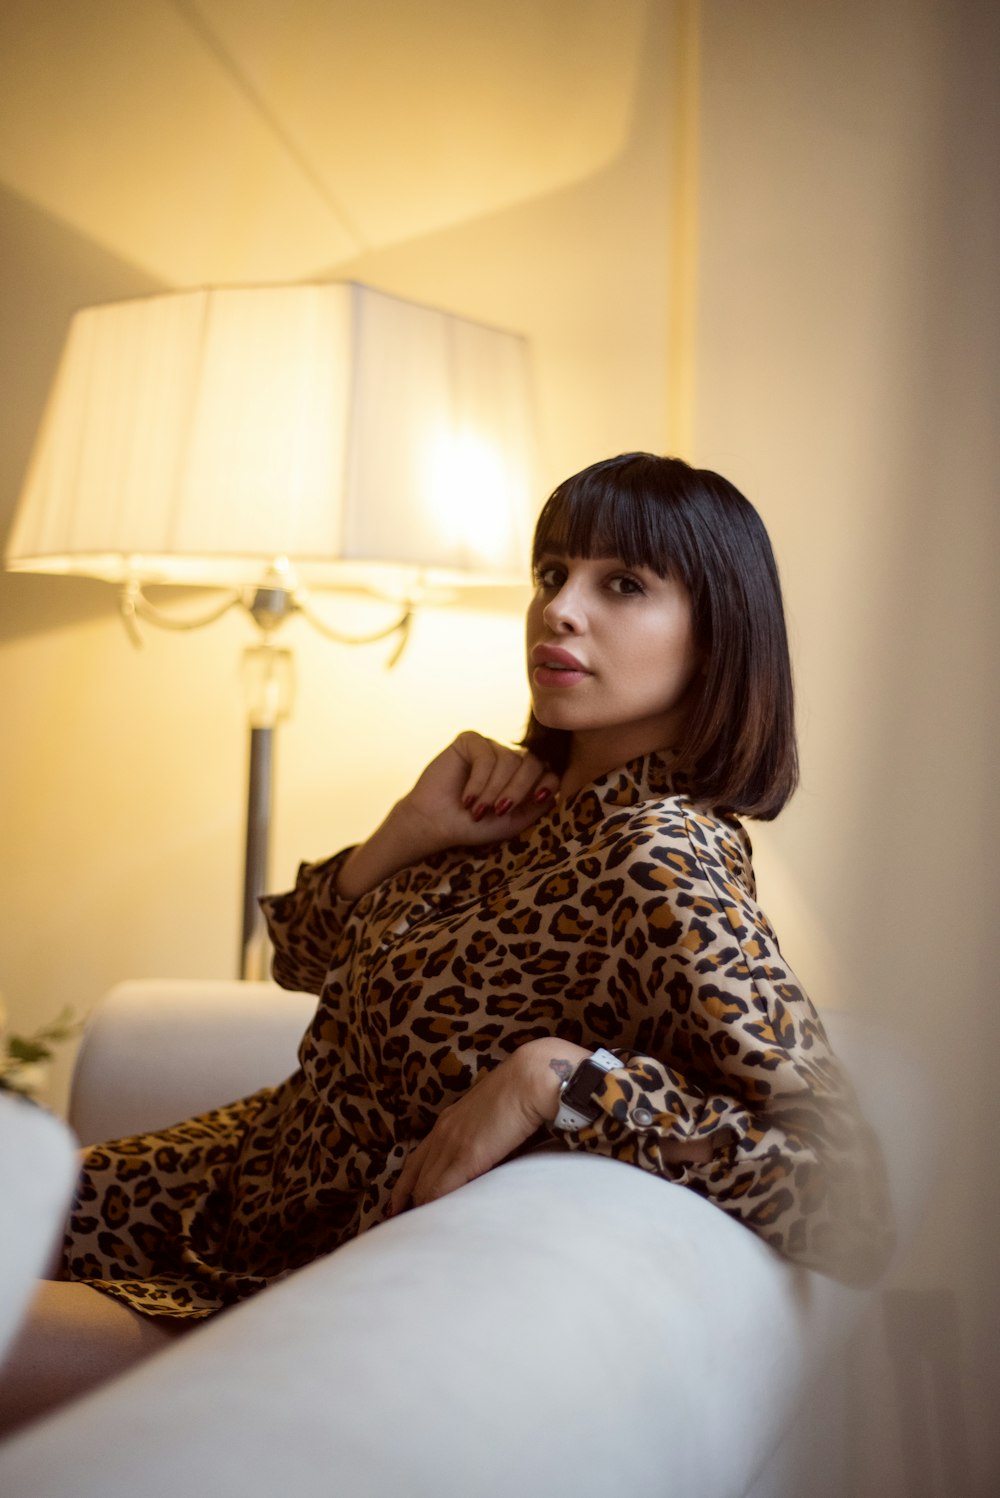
x,y
499,1112
474,793
477,791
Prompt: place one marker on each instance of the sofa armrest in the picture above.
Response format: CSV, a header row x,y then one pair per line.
x,y
564,1325
156,1051
37,1170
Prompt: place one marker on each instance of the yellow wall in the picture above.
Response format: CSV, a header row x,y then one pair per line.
x,y
847,374
123,771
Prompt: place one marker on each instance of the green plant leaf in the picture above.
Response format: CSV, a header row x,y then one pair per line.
x,y
27,1050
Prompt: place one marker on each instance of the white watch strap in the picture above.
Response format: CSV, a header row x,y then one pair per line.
x,y
569,1118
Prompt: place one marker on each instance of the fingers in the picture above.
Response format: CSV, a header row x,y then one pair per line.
x,y
501,779
407,1178
438,1165
531,780
424,1178
469,1136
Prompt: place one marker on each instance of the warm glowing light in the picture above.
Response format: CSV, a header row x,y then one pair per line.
x,y
464,485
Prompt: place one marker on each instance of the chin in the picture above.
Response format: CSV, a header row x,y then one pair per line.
x,y
555,717
548,715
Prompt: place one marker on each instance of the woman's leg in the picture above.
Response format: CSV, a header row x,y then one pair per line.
x,y
75,1338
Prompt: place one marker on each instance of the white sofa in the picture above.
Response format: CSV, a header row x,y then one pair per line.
x,y
565,1326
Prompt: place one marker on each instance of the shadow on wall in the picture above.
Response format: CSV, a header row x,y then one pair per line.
x,y
33,604
49,271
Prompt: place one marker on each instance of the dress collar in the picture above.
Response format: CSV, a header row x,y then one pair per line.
x,y
649,777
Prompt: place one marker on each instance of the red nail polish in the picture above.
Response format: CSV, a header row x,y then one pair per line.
x,y
543,794
469,802
479,813
503,805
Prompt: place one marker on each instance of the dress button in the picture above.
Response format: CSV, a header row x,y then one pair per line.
x,y
642,1117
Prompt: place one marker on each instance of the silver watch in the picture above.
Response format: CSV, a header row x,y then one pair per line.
x,y
576,1095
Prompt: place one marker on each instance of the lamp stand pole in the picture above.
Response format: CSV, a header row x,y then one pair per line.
x,y
253,943
268,683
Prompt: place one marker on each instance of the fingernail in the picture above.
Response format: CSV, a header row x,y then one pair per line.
x,y
543,794
479,813
469,801
503,805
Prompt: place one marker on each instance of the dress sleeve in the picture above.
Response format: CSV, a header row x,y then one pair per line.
x,y
732,1049
305,924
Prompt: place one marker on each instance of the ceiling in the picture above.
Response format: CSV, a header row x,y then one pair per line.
x,y
234,141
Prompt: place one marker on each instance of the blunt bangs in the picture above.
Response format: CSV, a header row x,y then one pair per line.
x,y
612,510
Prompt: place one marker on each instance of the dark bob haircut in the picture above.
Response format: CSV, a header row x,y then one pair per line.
x,y
738,749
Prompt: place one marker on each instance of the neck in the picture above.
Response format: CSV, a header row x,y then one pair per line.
x,y
595,753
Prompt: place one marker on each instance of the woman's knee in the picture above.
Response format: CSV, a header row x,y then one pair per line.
x,y
74,1338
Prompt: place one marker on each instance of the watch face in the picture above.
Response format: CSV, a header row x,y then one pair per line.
x,y
581,1087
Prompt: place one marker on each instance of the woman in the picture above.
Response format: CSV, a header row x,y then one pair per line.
x,y
553,946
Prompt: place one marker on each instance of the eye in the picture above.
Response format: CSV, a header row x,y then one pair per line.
x,y
626,585
549,575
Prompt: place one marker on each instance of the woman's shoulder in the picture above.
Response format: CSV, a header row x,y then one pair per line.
x,y
697,843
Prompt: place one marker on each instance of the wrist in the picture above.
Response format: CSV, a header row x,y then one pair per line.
x,y
400,840
548,1063
410,833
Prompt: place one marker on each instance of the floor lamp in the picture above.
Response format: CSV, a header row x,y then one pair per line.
x,y
271,442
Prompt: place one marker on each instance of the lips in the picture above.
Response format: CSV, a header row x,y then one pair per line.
x,y
555,668
558,659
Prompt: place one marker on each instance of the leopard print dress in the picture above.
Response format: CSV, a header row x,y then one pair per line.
x,y
624,918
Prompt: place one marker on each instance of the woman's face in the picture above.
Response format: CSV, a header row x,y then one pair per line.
x,y
610,649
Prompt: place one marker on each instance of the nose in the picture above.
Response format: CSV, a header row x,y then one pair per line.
x,y
564,613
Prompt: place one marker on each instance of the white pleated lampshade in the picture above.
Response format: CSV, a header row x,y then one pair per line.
x,y
204,437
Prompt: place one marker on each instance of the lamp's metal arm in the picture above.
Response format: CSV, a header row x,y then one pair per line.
x,y
135,605
402,624
269,607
